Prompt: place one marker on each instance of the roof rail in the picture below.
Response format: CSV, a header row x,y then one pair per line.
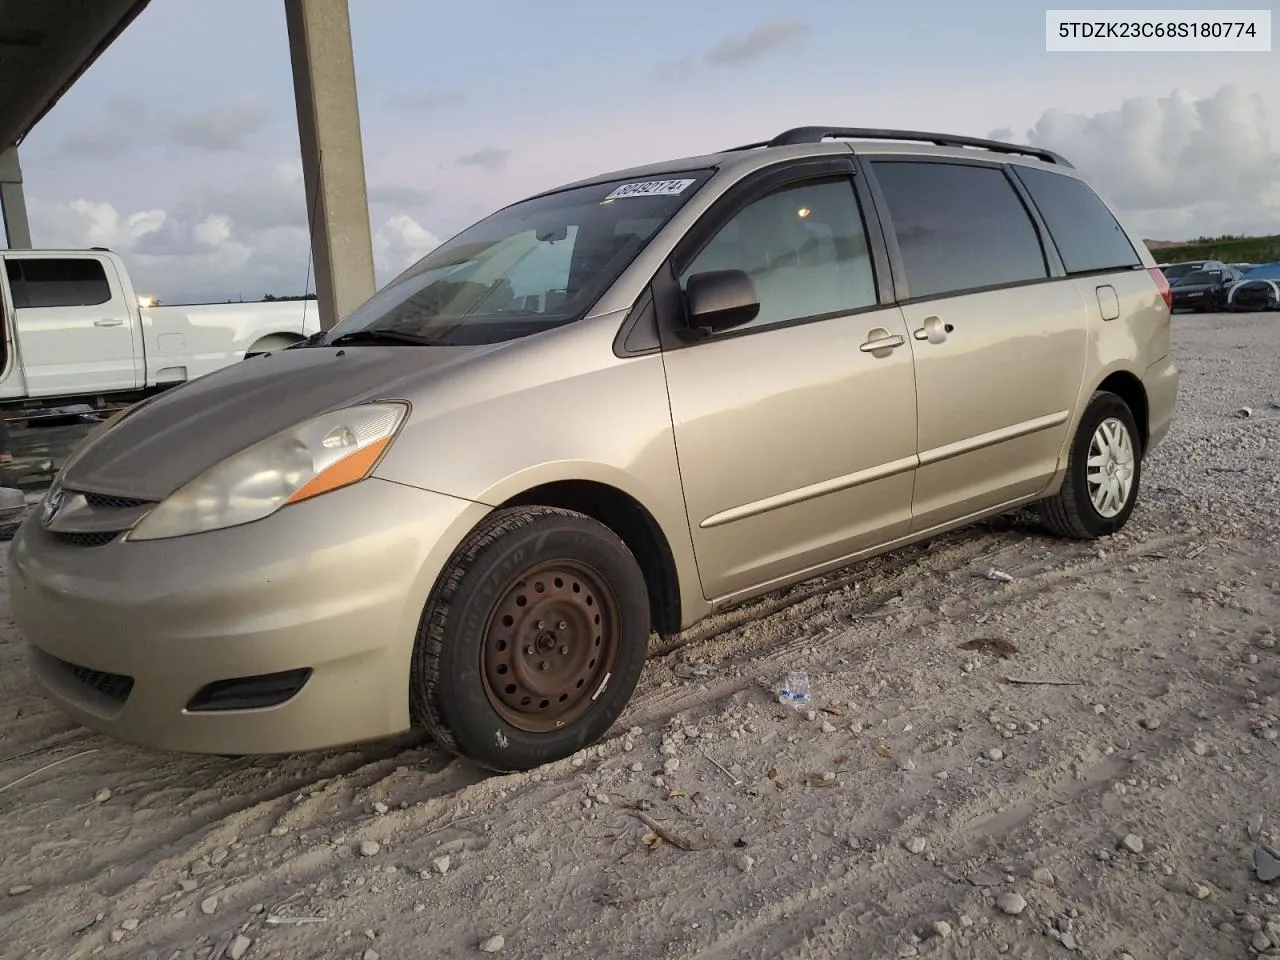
x,y
818,134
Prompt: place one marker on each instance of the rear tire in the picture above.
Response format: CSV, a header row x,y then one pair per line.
x,y
532,641
1104,471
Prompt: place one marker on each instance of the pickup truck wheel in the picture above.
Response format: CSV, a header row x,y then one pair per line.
x,y
532,641
1104,468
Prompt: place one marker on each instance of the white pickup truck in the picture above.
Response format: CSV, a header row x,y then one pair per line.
x,y
75,331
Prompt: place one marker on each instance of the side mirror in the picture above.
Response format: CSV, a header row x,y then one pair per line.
x,y
721,299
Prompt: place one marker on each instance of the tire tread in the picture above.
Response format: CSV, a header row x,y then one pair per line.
x,y
424,711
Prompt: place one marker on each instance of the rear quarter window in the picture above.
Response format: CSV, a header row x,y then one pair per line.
x,y
1087,236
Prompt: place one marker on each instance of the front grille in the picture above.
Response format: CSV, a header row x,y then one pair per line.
x,y
114,686
250,693
85,539
103,502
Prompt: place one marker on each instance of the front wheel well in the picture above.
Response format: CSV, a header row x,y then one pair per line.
x,y
634,525
1130,389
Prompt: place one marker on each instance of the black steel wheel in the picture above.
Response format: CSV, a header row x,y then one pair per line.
x,y
532,641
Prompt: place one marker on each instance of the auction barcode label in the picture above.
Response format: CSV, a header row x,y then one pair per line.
x,y
1153,31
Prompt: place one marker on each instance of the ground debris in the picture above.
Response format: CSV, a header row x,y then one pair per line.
x,y
994,646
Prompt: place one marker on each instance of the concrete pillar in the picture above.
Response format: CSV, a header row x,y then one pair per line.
x,y
13,206
324,85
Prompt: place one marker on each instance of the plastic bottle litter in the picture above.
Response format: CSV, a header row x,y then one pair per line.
x,y
794,691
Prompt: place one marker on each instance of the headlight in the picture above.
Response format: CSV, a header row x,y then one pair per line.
x,y
314,457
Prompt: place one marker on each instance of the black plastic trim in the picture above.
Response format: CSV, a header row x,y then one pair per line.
x,y
638,335
249,693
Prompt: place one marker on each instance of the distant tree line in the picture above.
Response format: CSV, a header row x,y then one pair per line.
x,y
1229,249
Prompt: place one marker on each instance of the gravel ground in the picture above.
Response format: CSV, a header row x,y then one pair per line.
x,y
1107,807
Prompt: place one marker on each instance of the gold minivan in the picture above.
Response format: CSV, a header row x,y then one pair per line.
x,y
603,412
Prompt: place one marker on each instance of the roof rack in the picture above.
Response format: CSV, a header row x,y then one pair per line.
x,y
818,134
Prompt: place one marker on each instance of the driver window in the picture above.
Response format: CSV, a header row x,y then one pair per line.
x,y
804,248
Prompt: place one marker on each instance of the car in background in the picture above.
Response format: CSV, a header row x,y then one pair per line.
x,y
1176,271
1204,290
1259,289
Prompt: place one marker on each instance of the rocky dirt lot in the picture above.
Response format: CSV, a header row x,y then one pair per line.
x,y
1107,807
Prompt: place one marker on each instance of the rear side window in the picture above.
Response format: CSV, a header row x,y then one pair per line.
x,y
1086,234
50,282
959,227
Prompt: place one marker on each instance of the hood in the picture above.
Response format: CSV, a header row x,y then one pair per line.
x,y
174,437
1195,288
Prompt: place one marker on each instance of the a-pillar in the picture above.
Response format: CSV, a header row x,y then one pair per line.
x,y
13,206
324,85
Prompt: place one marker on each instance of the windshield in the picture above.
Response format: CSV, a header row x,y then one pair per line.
x,y
1199,276
1174,271
532,266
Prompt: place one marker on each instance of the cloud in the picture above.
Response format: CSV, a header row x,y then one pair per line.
x,y
111,133
127,123
398,196
425,101
763,41
488,158
225,126
243,240
1177,166
736,50
398,243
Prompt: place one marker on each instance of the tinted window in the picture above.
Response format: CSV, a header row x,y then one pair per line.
x,y
958,226
1177,270
1083,229
804,248
57,283
1199,277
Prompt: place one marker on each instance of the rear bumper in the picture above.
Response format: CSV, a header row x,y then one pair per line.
x,y
1161,385
125,635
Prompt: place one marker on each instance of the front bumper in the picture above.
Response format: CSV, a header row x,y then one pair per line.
x,y
125,635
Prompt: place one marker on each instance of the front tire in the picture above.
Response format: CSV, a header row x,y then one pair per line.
x,y
532,641
1104,470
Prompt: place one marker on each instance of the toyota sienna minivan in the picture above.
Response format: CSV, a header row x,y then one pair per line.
x,y
602,412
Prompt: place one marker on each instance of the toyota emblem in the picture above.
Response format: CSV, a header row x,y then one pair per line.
x,y
52,504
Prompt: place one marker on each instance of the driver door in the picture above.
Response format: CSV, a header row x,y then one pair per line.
x,y
796,432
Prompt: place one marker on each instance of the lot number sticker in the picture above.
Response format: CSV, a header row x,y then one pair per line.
x,y
650,188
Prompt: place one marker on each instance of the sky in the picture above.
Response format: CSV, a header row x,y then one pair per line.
x,y
179,147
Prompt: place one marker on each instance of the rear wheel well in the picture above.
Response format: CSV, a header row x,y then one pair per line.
x,y
272,341
1130,389
626,517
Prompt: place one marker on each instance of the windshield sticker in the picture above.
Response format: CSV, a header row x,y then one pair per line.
x,y
650,188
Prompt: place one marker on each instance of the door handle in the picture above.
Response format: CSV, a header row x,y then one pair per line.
x,y
881,341
109,322
934,330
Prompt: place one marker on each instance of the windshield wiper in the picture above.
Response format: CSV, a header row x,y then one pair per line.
x,y
378,337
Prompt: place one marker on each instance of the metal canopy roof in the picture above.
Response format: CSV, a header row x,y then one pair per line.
x,y
45,45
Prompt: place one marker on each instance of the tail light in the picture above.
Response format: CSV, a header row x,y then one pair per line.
x,y
1162,284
